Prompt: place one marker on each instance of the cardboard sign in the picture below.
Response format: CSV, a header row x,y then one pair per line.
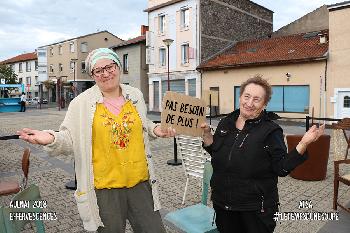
x,y
183,113
214,97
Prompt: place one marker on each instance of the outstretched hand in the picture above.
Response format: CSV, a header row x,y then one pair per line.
x,y
310,136
313,134
36,136
169,132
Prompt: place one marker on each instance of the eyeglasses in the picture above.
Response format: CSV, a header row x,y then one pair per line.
x,y
256,100
109,68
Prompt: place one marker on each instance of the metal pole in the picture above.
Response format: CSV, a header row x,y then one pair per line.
x,y
175,161
168,68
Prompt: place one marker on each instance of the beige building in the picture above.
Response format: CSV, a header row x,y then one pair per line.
x,y
132,54
66,62
294,65
338,81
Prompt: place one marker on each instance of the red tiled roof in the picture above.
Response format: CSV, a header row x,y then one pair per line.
x,y
287,49
131,41
22,57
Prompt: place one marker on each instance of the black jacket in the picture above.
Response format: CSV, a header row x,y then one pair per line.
x,y
247,163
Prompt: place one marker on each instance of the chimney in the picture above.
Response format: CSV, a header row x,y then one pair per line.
x,y
323,38
144,29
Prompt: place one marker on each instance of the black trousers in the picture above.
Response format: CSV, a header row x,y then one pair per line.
x,y
245,221
23,106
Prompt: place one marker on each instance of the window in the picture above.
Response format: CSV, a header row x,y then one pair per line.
x,y
184,17
60,67
28,68
36,80
60,49
162,59
285,99
125,64
184,53
51,68
51,51
20,80
42,54
36,65
20,67
12,67
155,95
175,85
83,67
192,87
84,47
71,47
161,24
28,80
346,102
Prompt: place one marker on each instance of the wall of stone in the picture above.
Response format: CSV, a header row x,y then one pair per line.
x,y
221,23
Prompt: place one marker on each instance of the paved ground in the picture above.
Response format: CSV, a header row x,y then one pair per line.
x,y
51,175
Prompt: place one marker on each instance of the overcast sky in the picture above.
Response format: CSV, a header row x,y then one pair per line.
x,y
28,24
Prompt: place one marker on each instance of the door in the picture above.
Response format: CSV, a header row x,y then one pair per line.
x,y
343,104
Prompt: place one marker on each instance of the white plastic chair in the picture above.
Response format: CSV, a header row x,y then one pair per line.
x,y
193,158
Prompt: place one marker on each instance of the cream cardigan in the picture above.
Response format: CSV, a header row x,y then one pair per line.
x,y
75,137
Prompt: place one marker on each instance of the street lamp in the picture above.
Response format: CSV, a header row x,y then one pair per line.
x,y
175,161
73,60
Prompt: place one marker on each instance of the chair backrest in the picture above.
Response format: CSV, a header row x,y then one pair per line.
x,y
341,141
208,171
15,226
339,145
25,167
193,155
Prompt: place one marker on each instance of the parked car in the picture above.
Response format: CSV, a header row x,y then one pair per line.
x,y
36,101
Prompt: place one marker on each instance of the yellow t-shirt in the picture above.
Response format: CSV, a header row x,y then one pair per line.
x,y
118,152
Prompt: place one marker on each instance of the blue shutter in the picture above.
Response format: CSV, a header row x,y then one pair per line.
x,y
296,98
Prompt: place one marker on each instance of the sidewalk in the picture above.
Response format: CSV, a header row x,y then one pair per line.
x,y
52,173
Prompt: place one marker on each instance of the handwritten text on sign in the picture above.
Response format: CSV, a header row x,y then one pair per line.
x,y
183,113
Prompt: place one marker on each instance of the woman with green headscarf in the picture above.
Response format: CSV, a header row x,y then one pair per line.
x,y
107,130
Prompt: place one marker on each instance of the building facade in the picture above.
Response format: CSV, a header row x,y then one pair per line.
x,y
294,65
65,63
199,29
25,66
337,89
132,54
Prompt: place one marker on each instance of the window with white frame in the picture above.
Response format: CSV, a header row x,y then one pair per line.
x,y
162,57
60,67
184,53
84,47
20,80
36,65
51,51
36,80
60,49
125,64
184,17
20,70
28,81
71,47
51,68
28,68
161,24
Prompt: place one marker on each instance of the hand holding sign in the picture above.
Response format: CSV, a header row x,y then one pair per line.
x,y
183,113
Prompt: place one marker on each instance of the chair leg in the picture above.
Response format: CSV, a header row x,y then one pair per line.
x,y
186,186
335,198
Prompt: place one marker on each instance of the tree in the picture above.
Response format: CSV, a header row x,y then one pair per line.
x,y
8,74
